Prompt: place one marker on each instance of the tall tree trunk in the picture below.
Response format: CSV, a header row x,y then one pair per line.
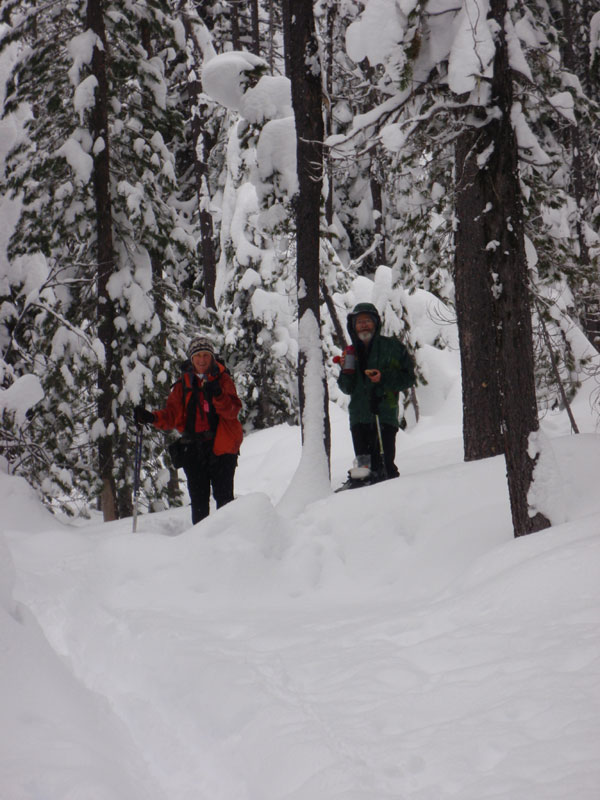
x,y
482,429
329,32
108,377
377,201
308,112
202,144
507,266
254,20
287,32
235,25
271,48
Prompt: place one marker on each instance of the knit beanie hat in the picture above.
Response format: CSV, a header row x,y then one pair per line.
x,y
200,343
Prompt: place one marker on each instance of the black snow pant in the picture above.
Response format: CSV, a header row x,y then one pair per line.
x,y
204,470
366,443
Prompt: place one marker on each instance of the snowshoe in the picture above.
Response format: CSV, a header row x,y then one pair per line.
x,y
358,477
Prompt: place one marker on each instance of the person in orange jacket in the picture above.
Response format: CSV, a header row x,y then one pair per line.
x,y
203,406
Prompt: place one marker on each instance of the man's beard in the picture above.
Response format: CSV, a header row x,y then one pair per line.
x,y
365,336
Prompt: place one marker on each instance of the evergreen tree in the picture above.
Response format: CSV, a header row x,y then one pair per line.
x,y
98,187
255,278
432,78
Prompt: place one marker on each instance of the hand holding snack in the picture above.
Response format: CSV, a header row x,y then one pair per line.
x,y
374,375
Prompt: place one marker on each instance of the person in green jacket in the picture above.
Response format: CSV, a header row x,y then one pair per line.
x,y
375,369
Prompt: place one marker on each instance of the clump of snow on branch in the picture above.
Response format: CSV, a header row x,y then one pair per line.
x,y
30,271
226,77
516,56
379,32
84,95
81,50
76,151
24,393
276,156
271,98
563,102
473,48
526,139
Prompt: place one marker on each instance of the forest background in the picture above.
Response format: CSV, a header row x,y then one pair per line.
x,y
158,160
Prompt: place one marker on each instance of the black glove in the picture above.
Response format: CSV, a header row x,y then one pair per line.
x,y
212,389
142,417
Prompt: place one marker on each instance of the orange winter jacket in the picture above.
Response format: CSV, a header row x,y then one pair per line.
x,y
228,434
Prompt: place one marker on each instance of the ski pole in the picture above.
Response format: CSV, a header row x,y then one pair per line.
x,y
380,440
136,473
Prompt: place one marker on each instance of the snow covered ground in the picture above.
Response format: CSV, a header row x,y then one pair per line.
x,y
392,642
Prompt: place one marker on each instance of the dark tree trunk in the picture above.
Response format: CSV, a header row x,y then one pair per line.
x,y
339,337
108,378
482,429
202,144
330,22
271,58
308,113
506,263
254,19
235,25
287,32
377,201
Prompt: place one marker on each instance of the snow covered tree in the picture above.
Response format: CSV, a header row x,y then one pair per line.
x,y
96,178
423,52
255,274
204,128
506,265
307,101
312,475
578,24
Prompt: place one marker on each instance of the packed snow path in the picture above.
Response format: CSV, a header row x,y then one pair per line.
x,y
392,642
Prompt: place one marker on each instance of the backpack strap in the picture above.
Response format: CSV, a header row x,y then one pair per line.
x,y
192,408
193,405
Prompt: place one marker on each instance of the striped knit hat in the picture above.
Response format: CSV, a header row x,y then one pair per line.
x,y
200,343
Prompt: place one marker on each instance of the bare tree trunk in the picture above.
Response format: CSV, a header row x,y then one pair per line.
x,y
271,35
339,335
377,201
254,18
482,429
235,25
308,112
287,32
330,21
108,378
202,144
506,263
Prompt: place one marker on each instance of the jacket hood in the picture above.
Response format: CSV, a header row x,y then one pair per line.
x,y
362,308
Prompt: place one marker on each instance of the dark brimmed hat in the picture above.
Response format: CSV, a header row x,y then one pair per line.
x,y
363,308
200,343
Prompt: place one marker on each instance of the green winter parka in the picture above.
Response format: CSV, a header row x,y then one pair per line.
x,y
391,358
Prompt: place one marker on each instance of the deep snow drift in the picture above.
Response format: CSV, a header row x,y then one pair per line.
x,y
392,642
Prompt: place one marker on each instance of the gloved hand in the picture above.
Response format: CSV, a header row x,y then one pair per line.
x,y
212,388
142,417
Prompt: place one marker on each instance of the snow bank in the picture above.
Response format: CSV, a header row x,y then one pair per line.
x,y
388,642
394,641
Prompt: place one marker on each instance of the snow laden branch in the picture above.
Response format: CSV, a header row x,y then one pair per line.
x,y
20,397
